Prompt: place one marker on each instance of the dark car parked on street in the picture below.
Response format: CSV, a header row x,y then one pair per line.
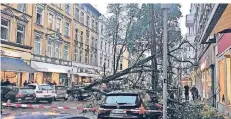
x,y
115,102
19,95
78,92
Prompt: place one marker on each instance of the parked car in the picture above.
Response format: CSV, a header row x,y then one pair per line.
x,y
78,92
43,92
114,104
60,92
20,95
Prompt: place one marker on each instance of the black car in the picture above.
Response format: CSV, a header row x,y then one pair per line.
x,y
117,105
78,92
20,95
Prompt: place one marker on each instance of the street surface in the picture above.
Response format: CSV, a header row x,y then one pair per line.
x,y
91,115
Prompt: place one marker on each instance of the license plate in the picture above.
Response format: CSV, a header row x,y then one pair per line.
x,y
28,98
118,111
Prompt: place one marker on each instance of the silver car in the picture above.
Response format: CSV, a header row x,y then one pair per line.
x,y
60,92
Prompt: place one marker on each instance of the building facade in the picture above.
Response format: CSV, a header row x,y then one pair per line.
x,y
16,42
212,42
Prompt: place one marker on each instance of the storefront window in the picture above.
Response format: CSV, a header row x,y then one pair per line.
x,y
221,82
228,80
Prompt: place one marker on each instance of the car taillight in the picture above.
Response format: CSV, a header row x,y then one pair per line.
x,y
19,95
39,91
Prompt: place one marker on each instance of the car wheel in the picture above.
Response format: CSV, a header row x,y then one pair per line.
x,y
65,99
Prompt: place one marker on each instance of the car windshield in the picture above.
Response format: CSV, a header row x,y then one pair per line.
x,y
45,87
121,99
23,90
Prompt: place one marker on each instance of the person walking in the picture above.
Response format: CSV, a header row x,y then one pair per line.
x,y
25,83
194,92
186,92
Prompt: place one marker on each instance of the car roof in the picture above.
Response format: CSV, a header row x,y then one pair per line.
x,y
38,84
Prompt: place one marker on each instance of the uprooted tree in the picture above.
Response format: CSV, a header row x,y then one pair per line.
x,y
139,29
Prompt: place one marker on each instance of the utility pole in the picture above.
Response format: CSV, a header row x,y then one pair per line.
x,y
165,8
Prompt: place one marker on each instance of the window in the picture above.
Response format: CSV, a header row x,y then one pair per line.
x,y
37,44
20,33
101,45
87,22
57,50
81,37
5,27
121,66
93,24
77,14
108,62
67,28
88,35
82,18
59,25
100,61
101,28
96,27
68,8
65,53
59,5
86,55
49,47
96,44
22,7
81,52
76,34
82,7
105,47
76,53
51,21
91,60
39,16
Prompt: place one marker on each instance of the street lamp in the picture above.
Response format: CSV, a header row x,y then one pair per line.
x,y
165,8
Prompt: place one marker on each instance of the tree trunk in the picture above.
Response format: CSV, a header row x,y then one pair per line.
x,y
153,46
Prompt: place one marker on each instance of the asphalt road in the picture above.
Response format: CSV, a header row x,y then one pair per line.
x,y
91,115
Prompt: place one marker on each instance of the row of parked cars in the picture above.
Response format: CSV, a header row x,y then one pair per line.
x,y
43,92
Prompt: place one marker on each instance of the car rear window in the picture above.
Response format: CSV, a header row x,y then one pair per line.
x,y
121,99
26,90
45,87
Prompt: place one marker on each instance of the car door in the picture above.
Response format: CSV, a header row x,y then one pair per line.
x,y
61,91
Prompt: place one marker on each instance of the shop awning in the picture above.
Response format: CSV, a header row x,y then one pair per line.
x,y
15,65
46,67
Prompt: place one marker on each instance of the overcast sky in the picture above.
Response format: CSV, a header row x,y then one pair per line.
x,y
185,7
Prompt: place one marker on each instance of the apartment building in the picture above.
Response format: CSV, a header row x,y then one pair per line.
x,y
210,24
16,42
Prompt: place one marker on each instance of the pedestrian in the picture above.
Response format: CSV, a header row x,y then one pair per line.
x,y
7,82
25,83
54,83
194,92
186,92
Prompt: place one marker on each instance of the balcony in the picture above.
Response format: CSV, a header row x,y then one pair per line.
x,y
189,20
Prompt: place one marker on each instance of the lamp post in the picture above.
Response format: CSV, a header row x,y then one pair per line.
x,y
165,8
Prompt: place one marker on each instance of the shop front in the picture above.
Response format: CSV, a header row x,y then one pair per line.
x,y
224,72
15,66
53,73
